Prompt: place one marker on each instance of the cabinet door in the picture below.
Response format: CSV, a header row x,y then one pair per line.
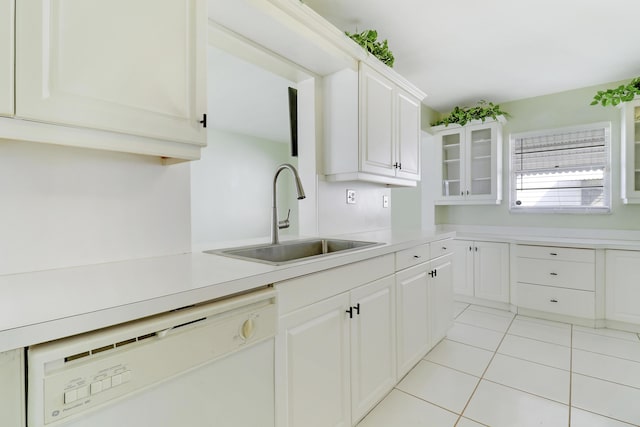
x,y
131,67
622,290
491,271
6,57
408,136
412,310
12,405
462,274
313,346
376,123
482,162
373,345
450,155
441,298
630,152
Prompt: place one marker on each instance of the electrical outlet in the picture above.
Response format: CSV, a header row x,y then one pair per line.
x,y
385,201
351,197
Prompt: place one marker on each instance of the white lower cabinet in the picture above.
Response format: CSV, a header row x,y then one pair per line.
x,y
317,365
412,287
558,280
373,345
7,42
424,308
481,270
12,389
622,293
336,358
441,298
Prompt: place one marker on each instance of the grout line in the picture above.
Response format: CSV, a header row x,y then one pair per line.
x,y
426,401
606,380
537,363
482,327
609,355
483,373
609,417
539,340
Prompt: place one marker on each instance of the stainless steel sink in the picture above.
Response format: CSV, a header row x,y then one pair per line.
x,y
292,251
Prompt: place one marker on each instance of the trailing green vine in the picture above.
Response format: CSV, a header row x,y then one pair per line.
x,y
368,39
481,111
623,93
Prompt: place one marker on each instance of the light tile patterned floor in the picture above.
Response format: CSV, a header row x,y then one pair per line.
x,y
500,370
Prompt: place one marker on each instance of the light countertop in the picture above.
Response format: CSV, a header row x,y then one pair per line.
x,y
41,306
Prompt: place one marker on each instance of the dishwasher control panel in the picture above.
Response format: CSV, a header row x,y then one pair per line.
x,y
64,382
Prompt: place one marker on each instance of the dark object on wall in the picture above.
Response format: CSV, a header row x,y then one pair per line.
x,y
293,120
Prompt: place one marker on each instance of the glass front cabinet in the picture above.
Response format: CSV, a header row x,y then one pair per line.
x,y
469,161
630,151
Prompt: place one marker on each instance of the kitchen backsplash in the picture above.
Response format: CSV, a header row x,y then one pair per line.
x,y
65,206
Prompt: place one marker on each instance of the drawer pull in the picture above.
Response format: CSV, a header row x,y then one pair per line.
x,y
444,248
417,256
553,253
553,300
553,274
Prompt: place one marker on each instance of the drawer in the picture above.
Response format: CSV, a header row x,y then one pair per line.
x,y
556,300
564,274
556,253
441,248
412,256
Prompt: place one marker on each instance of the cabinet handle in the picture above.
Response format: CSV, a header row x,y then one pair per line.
x,y
467,192
400,166
204,120
350,310
553,274
553,254
417,256
444,248
553,300
433,273
476,249
470,248
462,193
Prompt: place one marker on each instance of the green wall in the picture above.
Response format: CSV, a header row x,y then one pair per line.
x,y
545,112
407,209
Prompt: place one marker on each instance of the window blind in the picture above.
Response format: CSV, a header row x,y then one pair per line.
x,y
561,170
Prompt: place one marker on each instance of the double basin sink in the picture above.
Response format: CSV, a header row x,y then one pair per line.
x,y
293,251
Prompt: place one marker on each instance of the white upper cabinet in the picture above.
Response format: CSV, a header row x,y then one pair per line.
x,y
377,123
469,161
630,151
6,57
371,127
136,68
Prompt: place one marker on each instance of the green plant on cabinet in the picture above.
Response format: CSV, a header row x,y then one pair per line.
x,y
623,93
483,110
368,39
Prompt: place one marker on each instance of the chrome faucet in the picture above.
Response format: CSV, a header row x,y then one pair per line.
x,y
275,224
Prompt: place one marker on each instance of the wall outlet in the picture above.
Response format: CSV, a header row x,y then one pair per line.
x,y
385,201
351,197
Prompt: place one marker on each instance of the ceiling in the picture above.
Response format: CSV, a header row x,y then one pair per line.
x,y
461,51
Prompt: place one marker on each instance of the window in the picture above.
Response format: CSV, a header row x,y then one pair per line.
x,y
561,170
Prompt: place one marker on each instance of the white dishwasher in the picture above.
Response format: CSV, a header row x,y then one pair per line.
x,y
207,365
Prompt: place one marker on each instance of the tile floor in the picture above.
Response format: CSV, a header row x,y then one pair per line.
x,y
497,369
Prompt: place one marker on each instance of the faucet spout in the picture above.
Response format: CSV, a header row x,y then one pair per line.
x,y
274,210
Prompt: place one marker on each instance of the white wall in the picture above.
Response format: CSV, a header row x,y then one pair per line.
x,y
231,189
63,206
335,216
